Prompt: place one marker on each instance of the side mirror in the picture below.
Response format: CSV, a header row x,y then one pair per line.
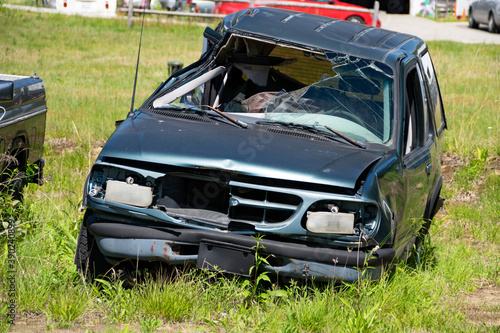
x,y
6,90
213,36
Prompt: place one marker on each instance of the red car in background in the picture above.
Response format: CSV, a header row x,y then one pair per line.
x,y
227,7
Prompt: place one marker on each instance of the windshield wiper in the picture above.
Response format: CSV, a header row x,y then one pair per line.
x,y
345,137
315,130
236,121
200,110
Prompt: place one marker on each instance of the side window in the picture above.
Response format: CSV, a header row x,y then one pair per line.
x,y
435,95
415,117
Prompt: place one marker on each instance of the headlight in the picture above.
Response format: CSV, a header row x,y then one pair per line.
x,y
129,194
343,217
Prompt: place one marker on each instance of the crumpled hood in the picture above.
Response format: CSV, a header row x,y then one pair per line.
x,y
252,151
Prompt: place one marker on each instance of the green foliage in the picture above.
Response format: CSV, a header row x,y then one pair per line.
x,y
120,304
67,304
171,300
149,324
481,219
467,177
4,319
13,215
469,79
309,310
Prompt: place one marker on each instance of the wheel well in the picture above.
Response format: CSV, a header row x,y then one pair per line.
x,y
356,18
18,151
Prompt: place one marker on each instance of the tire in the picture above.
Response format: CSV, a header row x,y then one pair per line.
x,y
356,19
492,27
89,260
16,186
472,23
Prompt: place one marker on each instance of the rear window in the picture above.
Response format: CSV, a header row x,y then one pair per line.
x,y
435,94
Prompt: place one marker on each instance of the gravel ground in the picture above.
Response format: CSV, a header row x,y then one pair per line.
x,y
424,28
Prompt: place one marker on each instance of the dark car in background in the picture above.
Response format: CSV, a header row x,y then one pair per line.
x,y
23,111
485,12
314,141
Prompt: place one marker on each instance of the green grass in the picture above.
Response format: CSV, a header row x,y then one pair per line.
x,y
469,77
88,68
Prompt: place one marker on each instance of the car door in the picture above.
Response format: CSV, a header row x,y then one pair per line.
x,y
481,13
417,144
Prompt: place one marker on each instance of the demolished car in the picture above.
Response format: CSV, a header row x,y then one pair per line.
x,y
314,141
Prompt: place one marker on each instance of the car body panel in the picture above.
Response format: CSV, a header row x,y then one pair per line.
x,y
248,152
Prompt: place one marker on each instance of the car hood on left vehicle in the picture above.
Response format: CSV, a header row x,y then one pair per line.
x,y
253,151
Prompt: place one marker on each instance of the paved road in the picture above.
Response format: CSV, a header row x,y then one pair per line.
x,y
431,30
424,28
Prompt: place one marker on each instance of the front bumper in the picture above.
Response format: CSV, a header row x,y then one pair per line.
x,y
234,252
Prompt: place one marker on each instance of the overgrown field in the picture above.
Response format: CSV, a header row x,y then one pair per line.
x,y
88,68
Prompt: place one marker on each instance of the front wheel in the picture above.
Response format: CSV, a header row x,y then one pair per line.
x,y
356,19
492,27
472,23
89,260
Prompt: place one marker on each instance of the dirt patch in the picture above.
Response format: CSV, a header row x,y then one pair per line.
x,y
62,143
453,163
69,146
93,323
483,306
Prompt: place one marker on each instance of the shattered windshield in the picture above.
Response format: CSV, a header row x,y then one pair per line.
x,y
284,84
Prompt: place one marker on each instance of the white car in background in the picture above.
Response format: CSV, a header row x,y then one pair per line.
x,y
485,12
95,7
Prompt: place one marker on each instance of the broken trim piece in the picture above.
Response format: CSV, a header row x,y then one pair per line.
x,y
184,89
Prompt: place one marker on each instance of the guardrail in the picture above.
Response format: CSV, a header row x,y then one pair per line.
x,y
252,3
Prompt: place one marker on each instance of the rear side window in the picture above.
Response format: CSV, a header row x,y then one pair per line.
x,y
414,113
435,95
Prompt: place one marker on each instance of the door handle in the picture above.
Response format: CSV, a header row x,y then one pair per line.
x,y
428,169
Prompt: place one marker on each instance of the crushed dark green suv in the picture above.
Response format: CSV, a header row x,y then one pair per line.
x,y
314,141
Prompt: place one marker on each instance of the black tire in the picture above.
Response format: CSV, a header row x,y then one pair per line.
x,y
492,27
356,19
89,260
16,186
472,23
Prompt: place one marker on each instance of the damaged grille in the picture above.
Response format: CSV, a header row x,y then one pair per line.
x,y
259,205
217,200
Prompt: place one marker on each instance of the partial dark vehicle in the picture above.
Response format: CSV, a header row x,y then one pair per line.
x,y
23,111
315,141
169,4
389,6
485,12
